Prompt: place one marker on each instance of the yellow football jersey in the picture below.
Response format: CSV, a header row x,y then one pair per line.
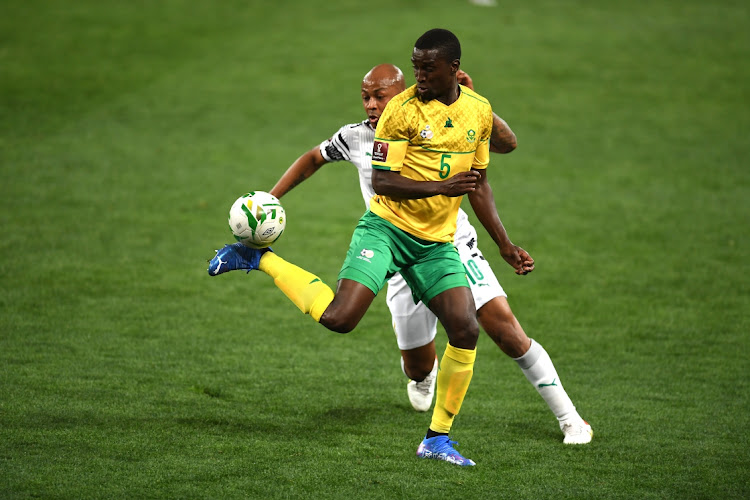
x,y
428,141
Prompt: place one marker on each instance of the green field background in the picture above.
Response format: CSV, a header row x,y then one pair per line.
x,y
127,129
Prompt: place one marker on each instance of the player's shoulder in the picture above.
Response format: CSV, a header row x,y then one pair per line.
x,y
364,124
354,126
351,129
475,97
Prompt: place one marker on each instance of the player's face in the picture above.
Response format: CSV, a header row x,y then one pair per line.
x,y
435,76
375,95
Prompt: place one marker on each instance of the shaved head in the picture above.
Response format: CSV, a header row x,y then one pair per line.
x,y
385,76
379,86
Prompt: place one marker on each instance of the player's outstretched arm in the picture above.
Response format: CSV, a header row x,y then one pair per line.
x,y
302,168
395,185
483,202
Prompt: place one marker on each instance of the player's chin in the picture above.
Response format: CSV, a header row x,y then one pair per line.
x,y
425,94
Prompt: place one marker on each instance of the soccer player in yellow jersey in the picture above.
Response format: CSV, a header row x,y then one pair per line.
x,y
421,171
423,139
414,325
434,131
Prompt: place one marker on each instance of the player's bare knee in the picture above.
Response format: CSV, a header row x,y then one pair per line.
x,y
471,336
337,322
342,315
417,372
463,337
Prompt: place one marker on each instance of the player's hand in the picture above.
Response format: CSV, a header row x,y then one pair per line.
x,y
519,259
464,79
460,184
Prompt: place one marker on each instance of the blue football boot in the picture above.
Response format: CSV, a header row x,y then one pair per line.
x,y
234,257
441,448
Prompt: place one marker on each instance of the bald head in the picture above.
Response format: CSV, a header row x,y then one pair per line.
x,y
385,76
379,86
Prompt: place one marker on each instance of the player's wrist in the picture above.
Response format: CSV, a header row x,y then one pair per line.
x,y
506,247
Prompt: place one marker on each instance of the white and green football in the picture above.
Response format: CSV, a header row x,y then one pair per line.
x,y
257,219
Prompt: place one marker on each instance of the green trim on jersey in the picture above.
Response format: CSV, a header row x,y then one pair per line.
x,y
474,96
446,152
409,99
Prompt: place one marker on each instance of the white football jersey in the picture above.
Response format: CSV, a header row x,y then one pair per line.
x,y
353,143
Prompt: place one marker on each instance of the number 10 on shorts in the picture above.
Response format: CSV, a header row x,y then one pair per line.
x,y
473,272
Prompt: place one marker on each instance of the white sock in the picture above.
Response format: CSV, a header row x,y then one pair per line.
x,y
539,370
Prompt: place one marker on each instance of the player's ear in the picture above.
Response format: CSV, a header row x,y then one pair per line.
x,y
455,66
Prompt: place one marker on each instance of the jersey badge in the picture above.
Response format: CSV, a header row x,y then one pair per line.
x,y
426,133
366,255
380,151
471,135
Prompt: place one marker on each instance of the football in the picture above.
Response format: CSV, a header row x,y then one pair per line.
x,y
257,219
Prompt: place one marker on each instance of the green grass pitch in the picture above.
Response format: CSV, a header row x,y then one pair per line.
x,y
127,129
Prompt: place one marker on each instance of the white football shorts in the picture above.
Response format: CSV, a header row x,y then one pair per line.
x,y
414,324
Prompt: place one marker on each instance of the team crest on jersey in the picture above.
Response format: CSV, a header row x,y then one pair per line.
x,y
380,151
471,135
426,133
366,255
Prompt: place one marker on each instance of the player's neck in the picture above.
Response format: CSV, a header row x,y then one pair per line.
x,y
451,96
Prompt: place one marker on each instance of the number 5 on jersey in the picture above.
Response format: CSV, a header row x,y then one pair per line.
x,y
445,168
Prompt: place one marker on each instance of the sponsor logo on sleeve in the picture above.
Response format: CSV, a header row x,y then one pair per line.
x,y
380,151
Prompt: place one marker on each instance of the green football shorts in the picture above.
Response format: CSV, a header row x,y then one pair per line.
x,y
379,250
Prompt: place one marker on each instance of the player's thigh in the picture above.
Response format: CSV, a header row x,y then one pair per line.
x,y
414,324
439,279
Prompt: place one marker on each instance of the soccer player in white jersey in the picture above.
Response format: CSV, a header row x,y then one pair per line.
x,y
414,324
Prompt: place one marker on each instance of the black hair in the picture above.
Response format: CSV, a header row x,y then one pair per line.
x,y
443,40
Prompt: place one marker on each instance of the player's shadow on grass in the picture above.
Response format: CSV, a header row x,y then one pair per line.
x,y
346,416
532,431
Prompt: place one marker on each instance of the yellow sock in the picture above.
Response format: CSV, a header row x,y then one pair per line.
x,y
308,293
454,376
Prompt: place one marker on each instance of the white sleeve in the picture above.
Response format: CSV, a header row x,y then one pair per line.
x,y
337,147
